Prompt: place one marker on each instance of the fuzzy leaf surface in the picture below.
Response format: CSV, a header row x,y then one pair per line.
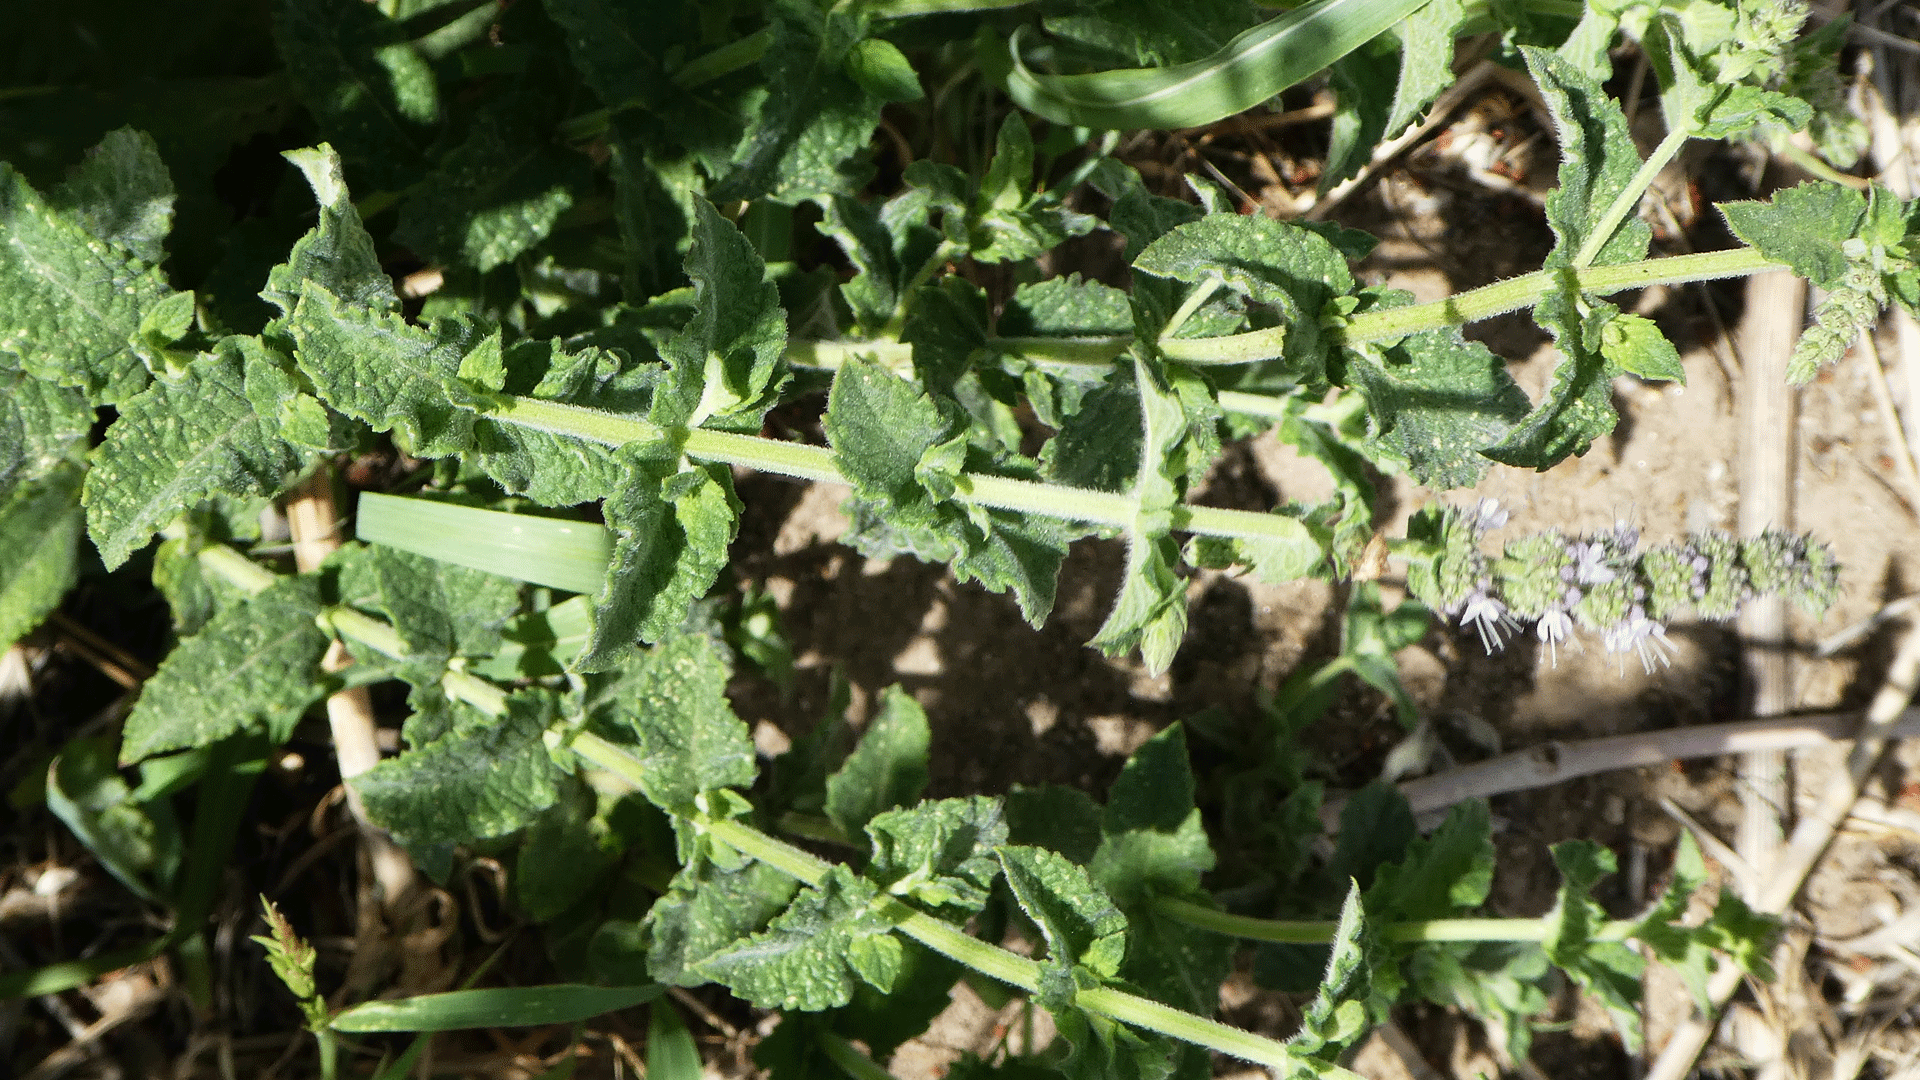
x,y
42,425
672,700
1598,161
496,194
40,525
726,362
1803,227
1437,400
1081,925
475,783
336,254
706,910
253,664
184,440
888,767
121,193
670,530
813,955
70,302
939,852
378,368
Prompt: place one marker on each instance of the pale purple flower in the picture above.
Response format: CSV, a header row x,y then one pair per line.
x,y
1643,636
1490,618
1554,627
1590,564
1488,516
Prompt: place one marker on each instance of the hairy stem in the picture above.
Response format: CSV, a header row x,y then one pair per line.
x,y
1513,294
1318,932
816,463
1628,200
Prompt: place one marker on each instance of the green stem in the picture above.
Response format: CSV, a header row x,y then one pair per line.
x,y
1319,932
1232,349
816,463
990,960
831,355
1201,294
1629,200
1526,290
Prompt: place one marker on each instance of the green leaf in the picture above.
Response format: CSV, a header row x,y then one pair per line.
x,y
670,530
440,610
1598,161
71,303
121,194
1151,35
1061,819
40,526
505,1006
1066,307
1635,344
565,856
336,254
1099,445
471,784
650,206
1609,970
939,852
1008,220
811,136
377,368
547,467
1104,1049
1081,926
706,910
42,426
1804,227
947,326
1152,842
1337,1016
1376,827
496,194
1272,262
882,70
672,698
888,438
254,664
372,93
726,362
185,440
1426,60
888,768
812,955
886,245
1578,407
139,845
1440,875
1437,400
1151,612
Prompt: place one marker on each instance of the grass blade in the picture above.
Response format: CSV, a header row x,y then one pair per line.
x,y
671,1054
509,1006
1253,67
560,554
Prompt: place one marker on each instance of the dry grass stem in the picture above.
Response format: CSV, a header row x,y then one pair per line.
x,y
1808,843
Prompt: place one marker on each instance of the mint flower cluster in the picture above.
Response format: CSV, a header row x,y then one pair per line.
x,y
1603,582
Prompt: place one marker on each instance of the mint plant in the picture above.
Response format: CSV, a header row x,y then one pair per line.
x,y
608,298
